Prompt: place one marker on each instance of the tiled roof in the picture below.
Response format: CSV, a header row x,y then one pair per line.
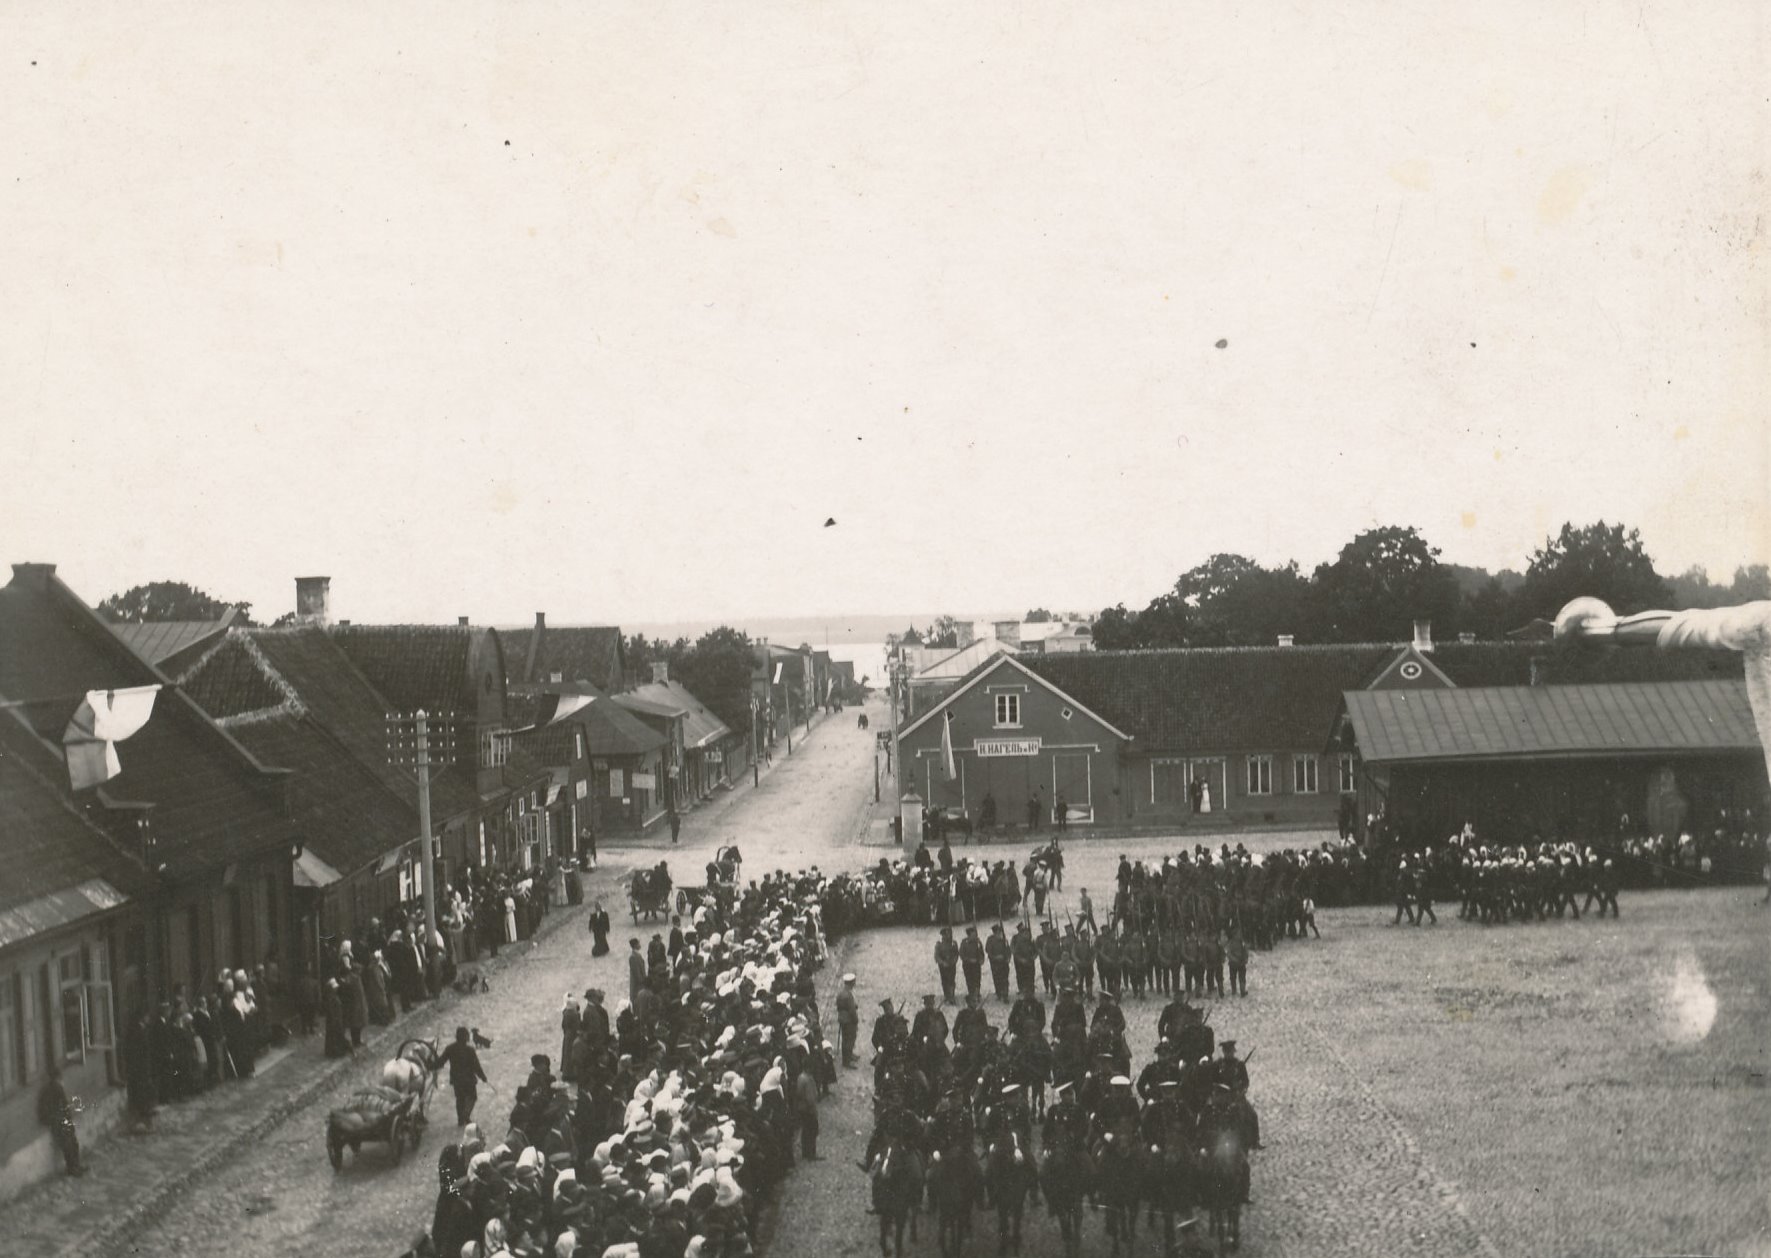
x,y
258,676
47,845
592,653
1510,664
419,666
701,728
611,730
213,803
1504,722
958,661
1216,699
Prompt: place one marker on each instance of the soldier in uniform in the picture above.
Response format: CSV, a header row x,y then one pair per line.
x,y
1107,960
997,950
1163,1068
1232,1073
1404,893
1422,894
930,1025
848,1019
892,1123
971,960
1064,972
970,1023
1068,1012
950,1128
1236,952
1050,946
1028,1015
1065,1124
1084,952
1109,1012
1117,1112
1024,952
1131,960
947,962
1168,961
1173,1017
889,1030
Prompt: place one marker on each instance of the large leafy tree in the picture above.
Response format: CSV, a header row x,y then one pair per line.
x,y
1163,623
944,632
717,669
1693,587
1039,616
1605,561
1237,602
168,600
1380,583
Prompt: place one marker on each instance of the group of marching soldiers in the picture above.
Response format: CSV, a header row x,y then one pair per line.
x,y
940,1097
1172,955
1507,884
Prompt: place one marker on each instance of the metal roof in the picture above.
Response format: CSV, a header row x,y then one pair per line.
x,y
58,909
1515,722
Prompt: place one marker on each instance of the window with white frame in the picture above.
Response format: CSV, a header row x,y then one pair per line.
x,y
1008,711
494,747
1303,775
1260,775
1349,782
577,744
73,1007
100,1029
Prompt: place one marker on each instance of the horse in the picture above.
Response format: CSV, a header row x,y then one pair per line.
x,y
413,1068
1011,1177
1120,1176
954,1185
1065,1175
1169,1188
897,1196
1223,1179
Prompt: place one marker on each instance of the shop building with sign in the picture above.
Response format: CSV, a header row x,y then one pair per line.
x,y
1017,740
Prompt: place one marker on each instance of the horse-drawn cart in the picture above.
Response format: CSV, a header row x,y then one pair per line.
x,y
374,1115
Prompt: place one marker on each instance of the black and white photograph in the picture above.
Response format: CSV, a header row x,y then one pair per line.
x,y
839,629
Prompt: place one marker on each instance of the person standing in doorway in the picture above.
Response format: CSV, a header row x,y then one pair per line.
x,y
676,824
1033,809
1063,812
56,1110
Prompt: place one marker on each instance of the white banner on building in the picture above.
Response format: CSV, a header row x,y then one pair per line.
x,y
645,782
616,789
1006,746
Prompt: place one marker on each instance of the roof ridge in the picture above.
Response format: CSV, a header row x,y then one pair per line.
x,y
1249,649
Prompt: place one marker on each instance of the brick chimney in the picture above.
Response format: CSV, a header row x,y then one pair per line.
x,y
1008,633
313,601
462,621
966,631
1286,639
660,670
33,573
1423,636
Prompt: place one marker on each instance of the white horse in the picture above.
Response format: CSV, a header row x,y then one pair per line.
x,y
413,1068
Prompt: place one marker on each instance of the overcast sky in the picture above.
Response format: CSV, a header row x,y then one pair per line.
x,y
604,309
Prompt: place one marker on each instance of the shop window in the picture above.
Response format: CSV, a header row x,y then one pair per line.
x,y
1303,775
1008,711
1260,775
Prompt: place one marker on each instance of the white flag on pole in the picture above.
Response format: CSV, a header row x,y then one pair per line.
x,y
104,719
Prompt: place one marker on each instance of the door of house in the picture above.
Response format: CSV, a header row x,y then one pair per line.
x,y
1073,781
1213,775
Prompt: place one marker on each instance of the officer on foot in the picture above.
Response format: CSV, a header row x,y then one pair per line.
x,y
947,962
971,960
997,950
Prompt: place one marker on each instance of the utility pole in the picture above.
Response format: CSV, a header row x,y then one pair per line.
x,y
424,838
897,672
417,754
756,751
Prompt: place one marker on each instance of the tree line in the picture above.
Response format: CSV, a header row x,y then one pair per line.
x,y
1386,578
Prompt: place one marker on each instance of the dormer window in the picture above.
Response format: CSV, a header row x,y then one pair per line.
x,y
494,748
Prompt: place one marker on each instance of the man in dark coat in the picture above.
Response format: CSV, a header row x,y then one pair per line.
x,y
997,950
465,1075
947,961
636,969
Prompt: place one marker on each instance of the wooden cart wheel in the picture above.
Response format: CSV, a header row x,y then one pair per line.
x,y
397,1137
335,1151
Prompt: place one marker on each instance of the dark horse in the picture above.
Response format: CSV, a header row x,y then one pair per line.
x,y
1120,1177
1170,1188
1223,1176
1065,1175
955,1183
897,1196
1011,1176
